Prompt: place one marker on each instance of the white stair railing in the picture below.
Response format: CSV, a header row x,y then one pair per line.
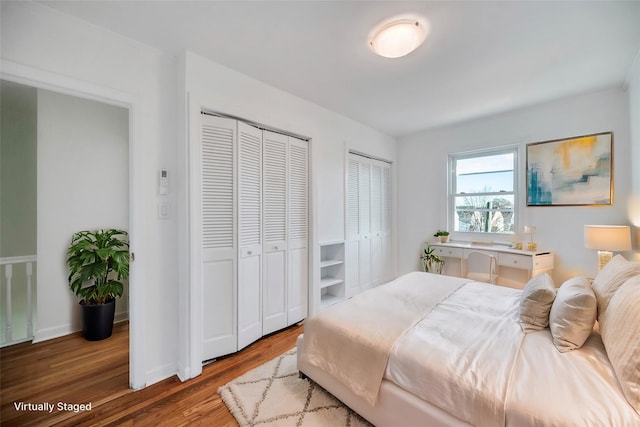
x,y
9,263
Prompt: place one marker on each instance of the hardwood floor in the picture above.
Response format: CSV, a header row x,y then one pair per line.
x,y
72,370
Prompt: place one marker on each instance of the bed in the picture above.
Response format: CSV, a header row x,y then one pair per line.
x,y
427,350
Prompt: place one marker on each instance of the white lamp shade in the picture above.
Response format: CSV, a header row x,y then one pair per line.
x,y
615,238
398,38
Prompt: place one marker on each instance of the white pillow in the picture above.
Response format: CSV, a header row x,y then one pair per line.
x,y
573,314
610,278
535,303
620,330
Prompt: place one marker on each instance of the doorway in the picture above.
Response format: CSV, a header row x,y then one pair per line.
x,y
60,172
64,169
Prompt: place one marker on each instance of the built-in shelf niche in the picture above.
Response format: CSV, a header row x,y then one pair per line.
x,y
332,286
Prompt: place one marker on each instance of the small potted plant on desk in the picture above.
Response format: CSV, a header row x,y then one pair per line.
x,y
431,262
98,261
443,235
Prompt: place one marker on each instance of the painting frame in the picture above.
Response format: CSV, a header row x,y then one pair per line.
x,y
574,171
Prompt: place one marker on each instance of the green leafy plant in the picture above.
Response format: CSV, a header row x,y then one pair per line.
x,y
431,262
98,261
441,233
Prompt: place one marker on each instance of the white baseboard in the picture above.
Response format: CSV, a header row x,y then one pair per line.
x,y
183,372
121,317
62,330
54,332
161,373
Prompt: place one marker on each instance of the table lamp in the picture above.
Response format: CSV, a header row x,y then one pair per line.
x,y
607,239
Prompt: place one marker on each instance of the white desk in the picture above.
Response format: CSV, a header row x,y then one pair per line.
x,y
514,267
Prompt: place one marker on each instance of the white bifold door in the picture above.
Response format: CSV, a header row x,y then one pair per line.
x,y
217,225
274,296
286,247
254,233
369,255
250,234
298,231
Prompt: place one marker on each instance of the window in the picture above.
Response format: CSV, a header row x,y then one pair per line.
x,y
482,196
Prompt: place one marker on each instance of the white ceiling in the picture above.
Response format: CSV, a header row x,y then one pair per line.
x,y
480,58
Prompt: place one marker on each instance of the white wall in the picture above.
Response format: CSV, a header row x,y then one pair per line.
x,y
83,184
423,174
634,114
40,45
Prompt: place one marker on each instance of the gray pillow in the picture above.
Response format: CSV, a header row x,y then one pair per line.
x,y
535,303
573,314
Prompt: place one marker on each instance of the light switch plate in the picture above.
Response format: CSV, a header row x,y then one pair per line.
x,y
164,210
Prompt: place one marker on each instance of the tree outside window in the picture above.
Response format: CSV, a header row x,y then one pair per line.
x,y
482,195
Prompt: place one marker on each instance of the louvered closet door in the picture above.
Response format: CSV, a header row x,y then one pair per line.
x,y
217,236
369,250
377,261
364,247
387,254
274,266
298,231
353,224
249,236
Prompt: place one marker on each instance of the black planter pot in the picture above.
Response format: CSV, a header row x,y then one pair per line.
x,y
97,320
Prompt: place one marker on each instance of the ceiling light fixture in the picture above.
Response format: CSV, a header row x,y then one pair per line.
x,y
398,37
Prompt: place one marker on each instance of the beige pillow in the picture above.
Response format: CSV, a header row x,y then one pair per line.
x,y
535,303
609,279
620,330
573,314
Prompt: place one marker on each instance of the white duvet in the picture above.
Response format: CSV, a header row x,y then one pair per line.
x,y
473,336
469,357
352,341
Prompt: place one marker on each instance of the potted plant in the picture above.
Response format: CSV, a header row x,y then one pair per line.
x,y
431,262
443,235
98,261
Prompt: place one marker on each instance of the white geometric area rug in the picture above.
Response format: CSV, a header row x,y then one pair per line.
x,y
273,395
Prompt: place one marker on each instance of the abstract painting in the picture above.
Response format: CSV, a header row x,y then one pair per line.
x,y
571,172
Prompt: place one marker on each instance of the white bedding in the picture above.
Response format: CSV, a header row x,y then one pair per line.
x,y
576,388
469,357
352,341
473,336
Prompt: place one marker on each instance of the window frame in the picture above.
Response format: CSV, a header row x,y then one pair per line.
x,y
452,191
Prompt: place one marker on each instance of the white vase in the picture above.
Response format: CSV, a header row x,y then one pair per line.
x,y
433,266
